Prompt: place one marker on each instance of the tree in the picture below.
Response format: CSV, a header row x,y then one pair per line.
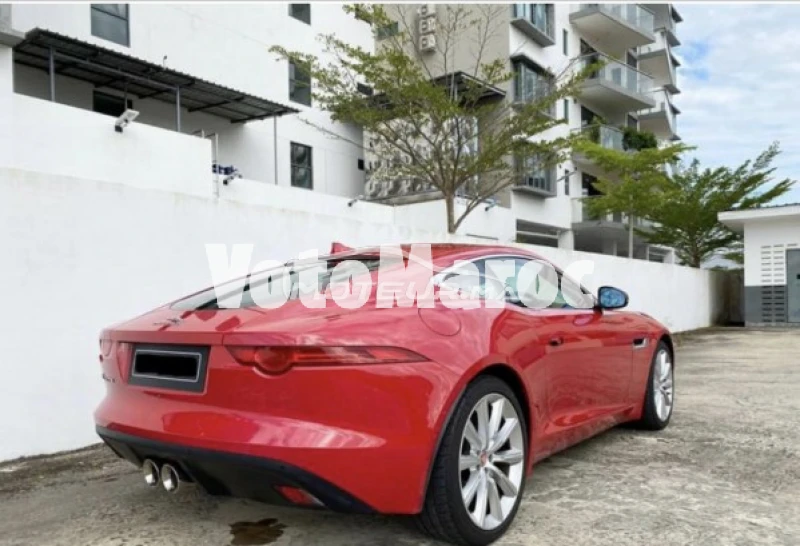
x,y
687,214
435,123
632,183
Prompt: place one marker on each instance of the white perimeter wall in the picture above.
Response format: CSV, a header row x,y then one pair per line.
x,y
80,254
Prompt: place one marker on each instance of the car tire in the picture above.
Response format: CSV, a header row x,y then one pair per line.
x,y
445,514
660,390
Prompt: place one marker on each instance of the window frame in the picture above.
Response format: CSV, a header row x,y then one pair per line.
x,y
296,16
293,165
127,19
520,66
295,84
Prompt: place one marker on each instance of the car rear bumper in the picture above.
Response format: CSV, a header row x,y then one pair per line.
x,y
233,474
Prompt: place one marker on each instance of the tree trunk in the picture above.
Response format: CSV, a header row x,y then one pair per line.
x,y
449,201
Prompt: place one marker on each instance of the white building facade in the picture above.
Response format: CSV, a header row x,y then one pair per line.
x,y
771,263
631,95
215,45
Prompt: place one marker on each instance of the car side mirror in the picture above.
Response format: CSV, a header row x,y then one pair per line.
x,y
609,297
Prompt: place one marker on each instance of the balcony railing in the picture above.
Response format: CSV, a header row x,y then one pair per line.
x,y
615,72
582,213
663,105
606,136
633,14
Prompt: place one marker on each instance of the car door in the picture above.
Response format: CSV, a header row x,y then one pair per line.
x,y
588,364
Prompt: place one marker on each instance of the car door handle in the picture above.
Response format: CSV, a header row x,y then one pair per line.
x,y
556,341
640,343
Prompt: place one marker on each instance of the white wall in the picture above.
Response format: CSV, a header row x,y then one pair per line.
x,y
765,245
82,254
204,41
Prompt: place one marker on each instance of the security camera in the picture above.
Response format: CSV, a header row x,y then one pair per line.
x,y
125,119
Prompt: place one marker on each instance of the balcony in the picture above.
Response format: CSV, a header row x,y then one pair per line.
x,y
535,21
661,119
535,179
606,136
614,28
615,88
657,60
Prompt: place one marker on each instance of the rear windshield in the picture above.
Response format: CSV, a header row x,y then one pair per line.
x,y
286,277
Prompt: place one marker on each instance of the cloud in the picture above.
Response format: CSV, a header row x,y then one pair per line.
x,y
740,84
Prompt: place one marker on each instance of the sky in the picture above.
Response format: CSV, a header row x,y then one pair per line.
x,y
740,84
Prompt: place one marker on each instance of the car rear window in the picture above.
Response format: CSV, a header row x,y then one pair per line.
x,y
211,299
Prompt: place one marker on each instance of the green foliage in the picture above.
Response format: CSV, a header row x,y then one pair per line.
x,y
687,213
417,120
633,139
633,182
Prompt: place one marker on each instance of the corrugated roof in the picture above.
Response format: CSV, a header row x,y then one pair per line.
x,y
143,79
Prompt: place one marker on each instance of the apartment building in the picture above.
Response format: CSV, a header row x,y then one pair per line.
x,y
202,71
632,94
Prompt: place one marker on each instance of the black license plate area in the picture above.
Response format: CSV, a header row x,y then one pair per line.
x,y
177,367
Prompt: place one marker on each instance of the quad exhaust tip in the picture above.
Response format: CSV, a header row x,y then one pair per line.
x,y
169,478
150,473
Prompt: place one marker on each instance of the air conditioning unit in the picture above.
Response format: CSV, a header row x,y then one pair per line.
x,y
427,42
426,10
427,26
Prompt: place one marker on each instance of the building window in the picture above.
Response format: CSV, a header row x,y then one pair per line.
x,y
110,105
111,22
539,15
532,83
387,31
301,12
565,42
535,174
566,181
566,110
302,169
299,85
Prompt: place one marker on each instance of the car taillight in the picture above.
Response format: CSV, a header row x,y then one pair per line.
x,y
276,360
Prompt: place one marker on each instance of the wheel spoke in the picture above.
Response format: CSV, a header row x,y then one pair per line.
x,y
495,508
658,400
497,416
482,500
467,462
483,422
509,456
471,487
473,437
508,488
502,436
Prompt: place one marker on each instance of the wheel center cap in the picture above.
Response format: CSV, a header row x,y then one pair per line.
x,y
484,458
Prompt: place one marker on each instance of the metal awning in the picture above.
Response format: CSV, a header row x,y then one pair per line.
x,y
58,54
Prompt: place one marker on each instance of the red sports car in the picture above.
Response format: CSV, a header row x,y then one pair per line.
x,y
431,410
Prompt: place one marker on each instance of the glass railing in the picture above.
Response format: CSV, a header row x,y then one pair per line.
x,y
613,71
663,104
633,14
539,15
606,136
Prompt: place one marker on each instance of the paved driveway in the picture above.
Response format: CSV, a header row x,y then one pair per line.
x,y
726,471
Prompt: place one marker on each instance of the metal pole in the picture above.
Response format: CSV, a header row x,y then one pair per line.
x,y
178,109
275,146
52,62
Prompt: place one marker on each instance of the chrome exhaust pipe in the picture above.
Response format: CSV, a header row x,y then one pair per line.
x,y
170,479
150,473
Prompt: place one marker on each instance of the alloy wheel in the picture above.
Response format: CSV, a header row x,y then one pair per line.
x,y
492,460
663,385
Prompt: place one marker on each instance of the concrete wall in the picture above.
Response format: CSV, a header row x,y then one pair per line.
x,y
81,254
202,41
767,298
